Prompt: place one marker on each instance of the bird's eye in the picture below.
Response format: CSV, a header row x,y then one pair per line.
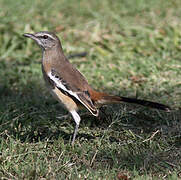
x,y
45,37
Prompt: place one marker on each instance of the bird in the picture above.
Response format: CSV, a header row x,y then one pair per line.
x,y
70,87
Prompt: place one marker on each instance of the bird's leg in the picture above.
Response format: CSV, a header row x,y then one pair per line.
x,y
75,133
77,119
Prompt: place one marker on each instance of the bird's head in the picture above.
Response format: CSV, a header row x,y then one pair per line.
x,y
46,40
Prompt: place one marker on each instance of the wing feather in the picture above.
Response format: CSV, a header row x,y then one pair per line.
x,y
82,96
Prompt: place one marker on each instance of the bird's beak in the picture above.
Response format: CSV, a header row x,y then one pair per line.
x,y
28,35
35,38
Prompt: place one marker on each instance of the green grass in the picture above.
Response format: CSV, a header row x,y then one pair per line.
x,y
134,50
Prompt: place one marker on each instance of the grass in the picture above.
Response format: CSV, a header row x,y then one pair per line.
x,y
133,50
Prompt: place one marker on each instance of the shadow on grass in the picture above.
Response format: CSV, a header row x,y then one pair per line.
x,y
33,115
30,115
34,107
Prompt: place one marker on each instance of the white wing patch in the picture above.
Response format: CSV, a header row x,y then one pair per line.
x,y
59,84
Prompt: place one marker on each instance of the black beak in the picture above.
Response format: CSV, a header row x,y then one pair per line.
x,y
28,35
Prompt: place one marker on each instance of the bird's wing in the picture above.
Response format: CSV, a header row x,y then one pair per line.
x,y
82,96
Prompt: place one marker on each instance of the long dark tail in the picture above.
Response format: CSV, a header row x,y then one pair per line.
x,y
146,103
102,98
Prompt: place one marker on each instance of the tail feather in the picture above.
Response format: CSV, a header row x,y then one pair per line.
x,y
105,99
146,103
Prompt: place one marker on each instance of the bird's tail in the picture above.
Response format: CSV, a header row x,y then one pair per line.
x,y
103,98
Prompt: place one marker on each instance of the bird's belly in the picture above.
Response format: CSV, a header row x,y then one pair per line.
x,y
64,100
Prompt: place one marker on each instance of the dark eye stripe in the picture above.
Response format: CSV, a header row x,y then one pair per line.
x,y
45,37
